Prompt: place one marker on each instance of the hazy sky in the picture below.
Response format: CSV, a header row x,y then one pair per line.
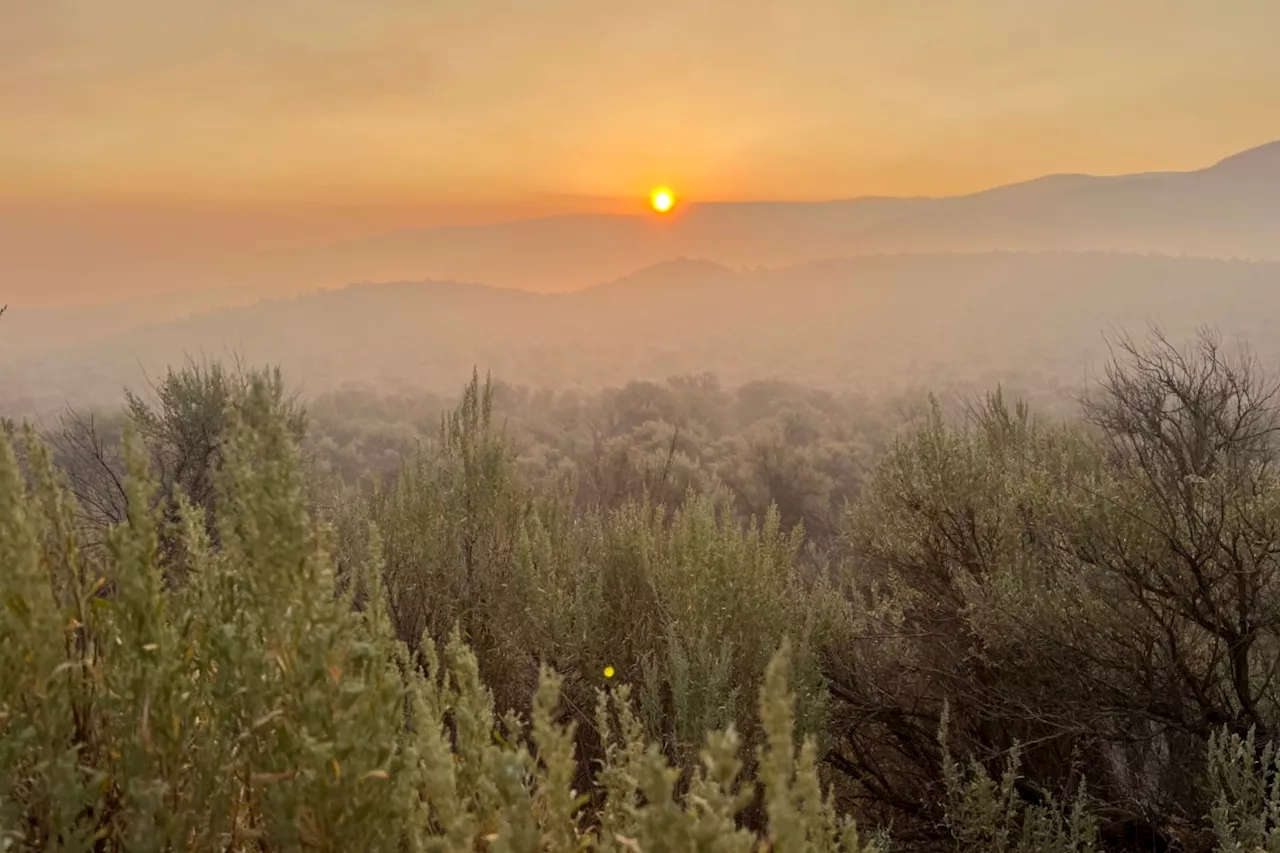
x,y
499,101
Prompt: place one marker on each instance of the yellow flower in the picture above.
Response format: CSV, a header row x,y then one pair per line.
x,y
608,672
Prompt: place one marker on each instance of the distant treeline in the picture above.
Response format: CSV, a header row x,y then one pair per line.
x,y
805,452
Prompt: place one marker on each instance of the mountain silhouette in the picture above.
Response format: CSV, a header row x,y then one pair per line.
x,y
1253,163
1230,209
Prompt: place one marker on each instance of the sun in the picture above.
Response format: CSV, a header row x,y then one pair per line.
x,y
662,200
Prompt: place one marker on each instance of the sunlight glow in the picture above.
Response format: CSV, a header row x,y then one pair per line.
x,y
662,200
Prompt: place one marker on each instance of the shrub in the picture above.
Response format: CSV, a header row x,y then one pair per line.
x,y
689,604
253,709
1100,591
181,427
1243,779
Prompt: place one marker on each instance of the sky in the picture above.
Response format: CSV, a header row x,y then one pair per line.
x,y
151,146
502,106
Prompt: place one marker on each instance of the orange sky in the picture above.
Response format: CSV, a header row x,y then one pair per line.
x,y
527,104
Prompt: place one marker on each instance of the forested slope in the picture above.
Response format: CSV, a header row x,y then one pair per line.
x,y
1033,321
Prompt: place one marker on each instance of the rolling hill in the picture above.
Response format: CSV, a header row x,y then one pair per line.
x,y
1034,320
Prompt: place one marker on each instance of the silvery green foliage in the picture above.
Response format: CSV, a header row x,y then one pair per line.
x,y
254,709
1246,809
988,815
686,604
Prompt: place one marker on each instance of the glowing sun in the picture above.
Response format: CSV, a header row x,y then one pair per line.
x,y
662,200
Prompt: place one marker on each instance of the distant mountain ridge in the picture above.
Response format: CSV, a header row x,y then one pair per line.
x,y
1262,157
1228,209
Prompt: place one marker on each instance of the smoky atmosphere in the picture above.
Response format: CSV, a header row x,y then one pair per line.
x,y
839,426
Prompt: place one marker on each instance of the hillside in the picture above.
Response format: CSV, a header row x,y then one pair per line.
x,y
1033,319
